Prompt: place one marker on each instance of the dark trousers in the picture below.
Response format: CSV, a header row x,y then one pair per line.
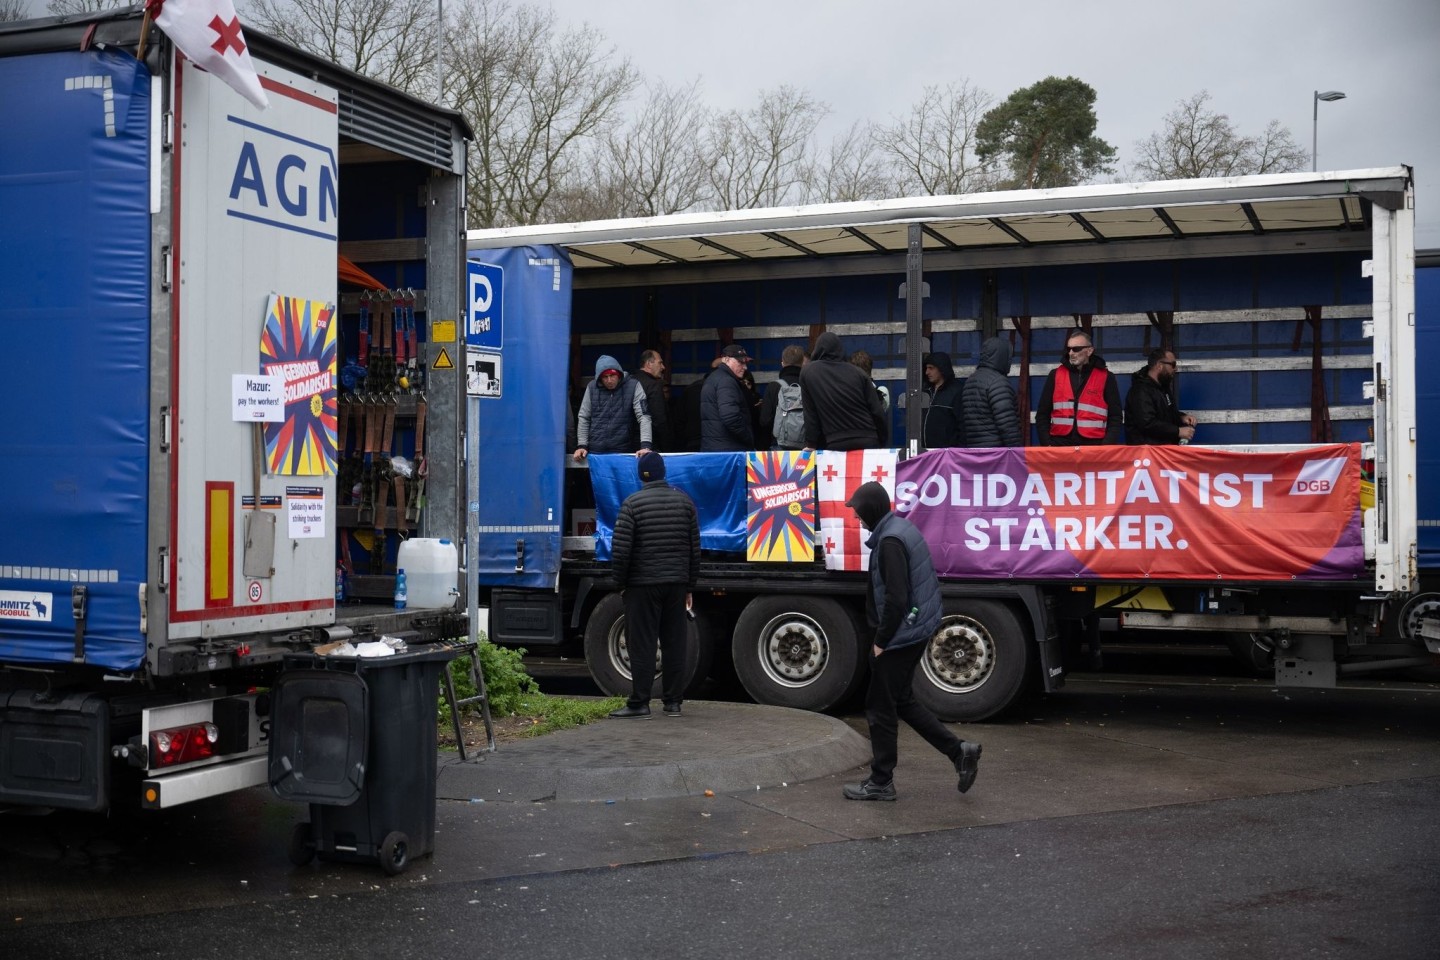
x,y
656,613
889,700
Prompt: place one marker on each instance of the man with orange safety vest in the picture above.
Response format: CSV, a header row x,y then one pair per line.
x,y
1080,402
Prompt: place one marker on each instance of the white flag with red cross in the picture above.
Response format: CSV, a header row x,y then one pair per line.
x,y
837,474
209,33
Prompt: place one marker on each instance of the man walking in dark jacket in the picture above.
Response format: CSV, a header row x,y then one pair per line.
x,y
725,421
903,603
942,416
842,408
1150,412
988,410
652,368
1080,402
655,558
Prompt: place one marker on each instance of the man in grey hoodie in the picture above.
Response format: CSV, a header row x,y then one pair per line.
x,y
613,417
988,409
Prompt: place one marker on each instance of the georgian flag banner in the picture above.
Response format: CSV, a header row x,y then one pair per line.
x,y
837,474
209,33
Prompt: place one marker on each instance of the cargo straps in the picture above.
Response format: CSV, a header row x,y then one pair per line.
x,y
77,610
1025,330
1321,430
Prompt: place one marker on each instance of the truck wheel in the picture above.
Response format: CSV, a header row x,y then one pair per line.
x,y
607,653
1417,607
976,664
394,852
302,848
799,652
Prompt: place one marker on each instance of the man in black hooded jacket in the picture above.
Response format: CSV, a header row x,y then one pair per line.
x,y
842,407
903,603
987,403
942,416
1150,412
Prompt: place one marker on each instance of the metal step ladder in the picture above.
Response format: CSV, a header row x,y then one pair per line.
x,y
477,676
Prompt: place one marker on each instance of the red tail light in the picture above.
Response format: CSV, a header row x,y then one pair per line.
x,y
183,744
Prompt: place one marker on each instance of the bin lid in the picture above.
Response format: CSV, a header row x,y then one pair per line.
x,y
319,736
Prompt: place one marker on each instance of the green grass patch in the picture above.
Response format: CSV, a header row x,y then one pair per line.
x,y
514,693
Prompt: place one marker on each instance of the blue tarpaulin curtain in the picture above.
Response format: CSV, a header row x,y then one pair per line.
x,y
715,481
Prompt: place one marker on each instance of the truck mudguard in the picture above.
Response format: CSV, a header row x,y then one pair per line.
x,y
76,309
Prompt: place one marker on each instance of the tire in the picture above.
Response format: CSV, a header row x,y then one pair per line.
x,y
394,852
1418,606
797,651
608,656
302,848
976,665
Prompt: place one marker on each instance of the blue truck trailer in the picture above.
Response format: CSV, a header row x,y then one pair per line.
x,y
1290,300
192,282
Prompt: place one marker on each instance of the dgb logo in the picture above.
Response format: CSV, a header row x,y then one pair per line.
x,y
1312,486
1318,477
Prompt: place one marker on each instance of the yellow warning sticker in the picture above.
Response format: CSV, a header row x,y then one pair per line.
x,y
443,361
442,331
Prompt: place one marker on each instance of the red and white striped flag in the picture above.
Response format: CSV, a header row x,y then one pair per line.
x,y
209,33
837,474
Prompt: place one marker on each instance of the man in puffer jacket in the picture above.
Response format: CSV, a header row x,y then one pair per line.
x,y
614,417
904,605
655,558
987,401
842,408
725,420
942,417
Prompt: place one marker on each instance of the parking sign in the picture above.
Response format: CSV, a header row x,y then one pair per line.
x,y
485,286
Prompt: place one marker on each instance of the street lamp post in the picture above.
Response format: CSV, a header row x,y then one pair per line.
x,y
1327,96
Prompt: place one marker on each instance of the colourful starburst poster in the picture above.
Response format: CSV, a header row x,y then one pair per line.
x,y
780,519
298,343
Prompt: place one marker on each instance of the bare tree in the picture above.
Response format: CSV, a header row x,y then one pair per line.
x,y
655,164
933,149
12,10
71,8
1196,141
853,168
535,96
392,41
763,156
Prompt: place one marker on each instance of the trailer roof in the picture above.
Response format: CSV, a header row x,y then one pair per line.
x,y
1270,205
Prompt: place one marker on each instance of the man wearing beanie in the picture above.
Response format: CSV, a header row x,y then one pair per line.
x,y
613,417
904,604
655,559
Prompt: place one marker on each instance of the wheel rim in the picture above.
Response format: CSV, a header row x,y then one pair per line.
x,y
960,657
793,650
619,649
1415,608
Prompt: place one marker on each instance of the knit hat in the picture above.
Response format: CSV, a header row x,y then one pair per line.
x,y
652,467
608,364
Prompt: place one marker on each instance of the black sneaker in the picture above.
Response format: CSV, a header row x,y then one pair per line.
x,y
631,713
869,790
967,764
672,709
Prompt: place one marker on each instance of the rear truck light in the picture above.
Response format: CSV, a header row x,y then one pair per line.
x,y
186,744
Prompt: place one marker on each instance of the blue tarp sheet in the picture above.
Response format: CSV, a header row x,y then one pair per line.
x,y
75,315
521,432
715,481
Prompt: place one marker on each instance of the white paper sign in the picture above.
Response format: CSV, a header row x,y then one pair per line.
x,y
305,511
483,371
256,398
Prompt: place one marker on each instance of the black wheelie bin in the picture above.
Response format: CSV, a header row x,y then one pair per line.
x,y
354,737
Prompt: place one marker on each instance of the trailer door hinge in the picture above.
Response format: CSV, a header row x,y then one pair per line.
x,y
162,581
166,268
164,429
167,129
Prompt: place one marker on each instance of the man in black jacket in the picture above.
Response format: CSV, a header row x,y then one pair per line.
x,y
1080,402
842,409
725,409
792,358
655,558
988,409
942,416
652,368
1150,412
903,603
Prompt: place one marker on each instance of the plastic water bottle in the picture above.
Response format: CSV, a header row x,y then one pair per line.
x,y
339,583
400,589
912,616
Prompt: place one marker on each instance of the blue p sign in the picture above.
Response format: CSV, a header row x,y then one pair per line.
x,y
485,295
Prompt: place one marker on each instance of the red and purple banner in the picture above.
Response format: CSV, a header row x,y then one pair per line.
x,y
1168,513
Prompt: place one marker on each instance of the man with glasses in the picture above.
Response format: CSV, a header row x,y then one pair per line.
x,y
1080,402
1150,412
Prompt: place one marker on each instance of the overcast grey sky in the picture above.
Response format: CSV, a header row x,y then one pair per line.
x,y
1260,60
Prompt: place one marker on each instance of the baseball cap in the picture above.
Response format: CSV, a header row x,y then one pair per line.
x,y
736,352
